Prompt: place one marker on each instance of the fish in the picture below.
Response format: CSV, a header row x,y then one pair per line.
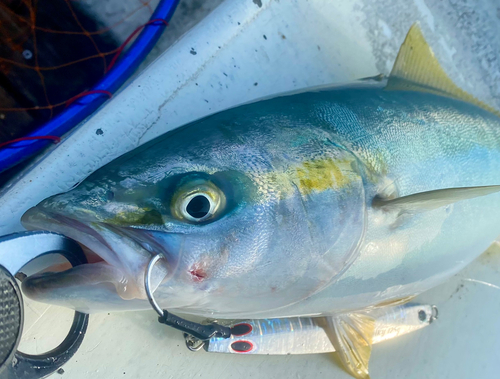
x,y
330,201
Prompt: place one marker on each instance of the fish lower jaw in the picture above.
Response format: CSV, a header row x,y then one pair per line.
x,y
129,289
128,285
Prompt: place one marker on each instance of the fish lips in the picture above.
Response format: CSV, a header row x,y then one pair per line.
x,y
118,256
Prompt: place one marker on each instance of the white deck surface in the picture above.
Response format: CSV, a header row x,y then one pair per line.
x,y
241,52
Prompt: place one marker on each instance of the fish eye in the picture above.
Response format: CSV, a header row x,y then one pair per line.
x,y
199,206
197,200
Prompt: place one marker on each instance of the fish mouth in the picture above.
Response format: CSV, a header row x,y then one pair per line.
x,y
112,279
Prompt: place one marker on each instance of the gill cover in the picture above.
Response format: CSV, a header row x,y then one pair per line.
x,y
298,233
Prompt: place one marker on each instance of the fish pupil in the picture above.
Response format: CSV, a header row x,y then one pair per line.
x,y
198,207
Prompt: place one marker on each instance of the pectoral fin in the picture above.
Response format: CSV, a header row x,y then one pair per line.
x,y
430,200
351,335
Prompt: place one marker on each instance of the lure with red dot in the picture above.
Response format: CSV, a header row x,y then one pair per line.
x,y
306,335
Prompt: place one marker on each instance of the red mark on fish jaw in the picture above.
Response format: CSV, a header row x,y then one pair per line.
x,y
198,274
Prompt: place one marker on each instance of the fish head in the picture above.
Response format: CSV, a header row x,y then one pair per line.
x,y
241,226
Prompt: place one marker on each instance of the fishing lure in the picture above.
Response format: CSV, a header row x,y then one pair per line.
x,y
309,335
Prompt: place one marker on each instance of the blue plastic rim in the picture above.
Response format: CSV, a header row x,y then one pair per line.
x,y
85,106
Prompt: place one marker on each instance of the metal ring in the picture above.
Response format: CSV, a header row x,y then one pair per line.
x,y
28,246
147,284
193,343
434,314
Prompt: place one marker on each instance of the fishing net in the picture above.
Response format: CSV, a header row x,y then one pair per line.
x,y
54,50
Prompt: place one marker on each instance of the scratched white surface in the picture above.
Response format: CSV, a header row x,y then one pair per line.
x,y
241,52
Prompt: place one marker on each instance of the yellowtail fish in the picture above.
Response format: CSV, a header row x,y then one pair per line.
x,y
328,202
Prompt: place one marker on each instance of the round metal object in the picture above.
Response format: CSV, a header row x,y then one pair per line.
x,y
11,317
193,343
434,315
147,284
16,250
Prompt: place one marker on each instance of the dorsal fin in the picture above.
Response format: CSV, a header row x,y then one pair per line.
x,y
417,69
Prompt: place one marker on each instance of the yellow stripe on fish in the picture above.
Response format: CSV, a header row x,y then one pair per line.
x,y
313,176
323,174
